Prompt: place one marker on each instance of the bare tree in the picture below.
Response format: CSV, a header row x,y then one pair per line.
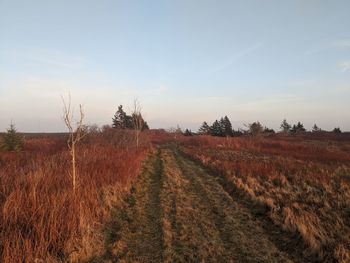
x,y
175,131
137,120
76,133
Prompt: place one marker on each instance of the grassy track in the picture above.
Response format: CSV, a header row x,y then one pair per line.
x,y
178,212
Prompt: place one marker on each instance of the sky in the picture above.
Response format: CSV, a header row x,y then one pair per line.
x,y
186,61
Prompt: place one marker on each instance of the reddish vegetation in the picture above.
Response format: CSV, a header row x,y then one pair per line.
x,y
304,182
41,218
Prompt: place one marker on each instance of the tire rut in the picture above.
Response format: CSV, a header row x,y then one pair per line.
x,y
136,233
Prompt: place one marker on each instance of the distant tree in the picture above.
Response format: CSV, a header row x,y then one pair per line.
x,y
138,122
145,126
226,126
130,122
239,132
222,126
315,128
12,141
285,126
337,130
204,129
175,131
188,132
268,130
121,120
299,127
216,129
255,128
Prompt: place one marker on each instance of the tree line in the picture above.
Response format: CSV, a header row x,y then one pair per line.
x,y
223,128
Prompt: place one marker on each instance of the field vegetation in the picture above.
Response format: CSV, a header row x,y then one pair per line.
x,y
231,196
301,183
41,218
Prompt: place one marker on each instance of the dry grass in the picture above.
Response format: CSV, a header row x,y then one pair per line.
x,y
304,183
41,218
202,223
177,212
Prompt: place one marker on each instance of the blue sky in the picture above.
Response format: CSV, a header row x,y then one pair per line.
x,y
186,61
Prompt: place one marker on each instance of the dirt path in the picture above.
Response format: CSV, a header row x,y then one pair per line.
x,y
178,212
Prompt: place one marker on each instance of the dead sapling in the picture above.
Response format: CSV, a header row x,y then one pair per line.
x,y
76,133
138,121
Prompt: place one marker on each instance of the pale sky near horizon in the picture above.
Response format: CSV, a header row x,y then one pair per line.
x,y
186,61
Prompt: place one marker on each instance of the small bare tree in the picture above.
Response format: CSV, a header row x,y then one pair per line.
x,y
138,121
76,133
175,131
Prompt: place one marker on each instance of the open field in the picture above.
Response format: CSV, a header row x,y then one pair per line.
x,y
185,199
302,184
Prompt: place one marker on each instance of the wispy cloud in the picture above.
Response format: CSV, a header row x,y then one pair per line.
x,y
344,66
235,57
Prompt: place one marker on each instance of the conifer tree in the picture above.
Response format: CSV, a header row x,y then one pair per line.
x,y
227,127
145,126
315,128
299,127
216,129
255,128
204,129
285,126
188,132
222,126
12,141
337,130
120,119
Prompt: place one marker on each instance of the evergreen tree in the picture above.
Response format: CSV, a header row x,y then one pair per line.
x,y
129,122
285,126
188,132
227,127
145,126
315,128
268,130
255,128
337,130
12,141
293,129
216,129
298,128
204,129
121,120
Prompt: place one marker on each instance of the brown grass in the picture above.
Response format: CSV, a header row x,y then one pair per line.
x,y
304,183
41,218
